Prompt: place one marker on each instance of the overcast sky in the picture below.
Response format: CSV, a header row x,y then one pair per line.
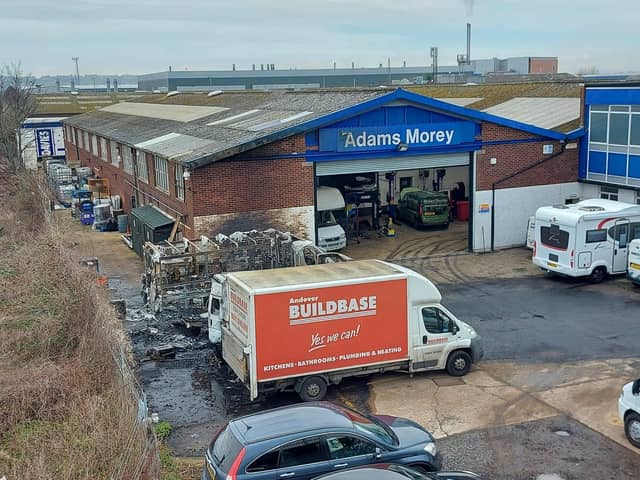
x,y
142,36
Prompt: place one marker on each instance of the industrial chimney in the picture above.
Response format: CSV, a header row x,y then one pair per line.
x,y
468,43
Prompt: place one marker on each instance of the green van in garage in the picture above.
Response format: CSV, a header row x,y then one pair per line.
x,y
422,208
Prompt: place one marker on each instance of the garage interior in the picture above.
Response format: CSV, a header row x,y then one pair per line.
x,y
373,192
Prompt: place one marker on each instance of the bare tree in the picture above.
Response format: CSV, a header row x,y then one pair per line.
x,y
17,103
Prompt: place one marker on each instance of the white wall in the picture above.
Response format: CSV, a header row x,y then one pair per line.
x,y
593,191
513,208
450,180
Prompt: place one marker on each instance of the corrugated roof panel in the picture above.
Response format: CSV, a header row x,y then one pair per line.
x,y
544,112
174,145
233,117
281,121
460,101
178,113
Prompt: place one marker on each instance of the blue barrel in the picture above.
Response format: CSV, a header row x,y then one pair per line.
x,y
123,222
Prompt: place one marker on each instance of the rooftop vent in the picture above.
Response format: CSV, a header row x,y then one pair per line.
x,y
214,93
173,93
592,208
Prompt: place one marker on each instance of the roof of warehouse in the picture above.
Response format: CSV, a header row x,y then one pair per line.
x,y
542,111
198,128
72,104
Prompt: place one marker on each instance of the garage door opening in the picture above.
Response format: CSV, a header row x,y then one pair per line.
x,y
428,208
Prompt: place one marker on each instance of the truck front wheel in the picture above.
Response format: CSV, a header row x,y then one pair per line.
x,y
458,363
312,389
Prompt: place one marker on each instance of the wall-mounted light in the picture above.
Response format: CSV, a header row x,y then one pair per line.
x,y
186,174
403,147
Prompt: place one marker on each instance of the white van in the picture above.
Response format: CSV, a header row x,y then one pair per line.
x,y
331,236
633,270
629,411
531,232
587,239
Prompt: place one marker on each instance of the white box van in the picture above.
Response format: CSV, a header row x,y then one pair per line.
x,y
304,328
331,236
587,239
629,411
633,270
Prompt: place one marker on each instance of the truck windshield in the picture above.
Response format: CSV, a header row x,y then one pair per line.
x,y
326,219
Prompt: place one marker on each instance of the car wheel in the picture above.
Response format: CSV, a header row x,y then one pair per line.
x,y
312,389
632,428
598,275
458,363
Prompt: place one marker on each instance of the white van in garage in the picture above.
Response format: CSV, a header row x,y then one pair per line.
x,y
331,236
587,239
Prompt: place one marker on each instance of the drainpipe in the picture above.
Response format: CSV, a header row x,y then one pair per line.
x,y
509,177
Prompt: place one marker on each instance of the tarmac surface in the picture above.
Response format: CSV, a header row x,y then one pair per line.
x,y
557,353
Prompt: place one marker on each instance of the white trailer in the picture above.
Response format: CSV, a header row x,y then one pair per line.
x,y
587,239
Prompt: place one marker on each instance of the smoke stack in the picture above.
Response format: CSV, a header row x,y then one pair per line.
x,y
233,67
468,43
353,64
253,67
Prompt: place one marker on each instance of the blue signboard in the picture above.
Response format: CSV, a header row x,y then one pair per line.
x,y
44,142
395,137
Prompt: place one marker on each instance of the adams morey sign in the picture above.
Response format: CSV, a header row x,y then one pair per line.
x,y
357,139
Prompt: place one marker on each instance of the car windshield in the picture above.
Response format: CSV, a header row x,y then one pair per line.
x,y
373,426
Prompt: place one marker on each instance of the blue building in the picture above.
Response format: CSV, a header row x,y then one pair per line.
x,y
610,153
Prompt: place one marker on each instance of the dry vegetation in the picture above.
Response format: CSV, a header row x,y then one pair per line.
x,y
65,411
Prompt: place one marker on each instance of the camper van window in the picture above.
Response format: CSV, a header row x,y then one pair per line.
x,y
554,237
326,218
635,231
620,233
596,236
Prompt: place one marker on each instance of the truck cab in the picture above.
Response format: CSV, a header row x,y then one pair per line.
x,y
438,339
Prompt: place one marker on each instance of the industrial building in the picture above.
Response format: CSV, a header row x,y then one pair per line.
x,y
270,78
236,161
610,153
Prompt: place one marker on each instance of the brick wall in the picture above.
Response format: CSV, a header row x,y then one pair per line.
x,y
511,158
250,182
121,183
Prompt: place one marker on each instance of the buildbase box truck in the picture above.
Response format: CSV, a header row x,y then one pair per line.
x,y
304,328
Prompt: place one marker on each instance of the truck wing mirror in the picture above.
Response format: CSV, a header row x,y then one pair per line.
x,y
635,388
425,339
453,328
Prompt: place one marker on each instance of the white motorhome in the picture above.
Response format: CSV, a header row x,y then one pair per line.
x,y
633,270
331,236
587,239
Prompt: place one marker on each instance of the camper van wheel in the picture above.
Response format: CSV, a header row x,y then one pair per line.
x,y
312,389
598,274
458,363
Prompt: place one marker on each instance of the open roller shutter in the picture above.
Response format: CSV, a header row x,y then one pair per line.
x,y
388,164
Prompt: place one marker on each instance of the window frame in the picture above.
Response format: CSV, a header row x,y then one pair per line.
x,y
592,231
94,145
446,321
607,192
127,159
114,150
104,154
161,177
144,178
349,435
302,441
178,174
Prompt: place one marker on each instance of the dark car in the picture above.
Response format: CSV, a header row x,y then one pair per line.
x,y
306,440
395,472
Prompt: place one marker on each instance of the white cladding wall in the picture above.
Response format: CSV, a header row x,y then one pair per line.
x,y
514,206
450,180
593,191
